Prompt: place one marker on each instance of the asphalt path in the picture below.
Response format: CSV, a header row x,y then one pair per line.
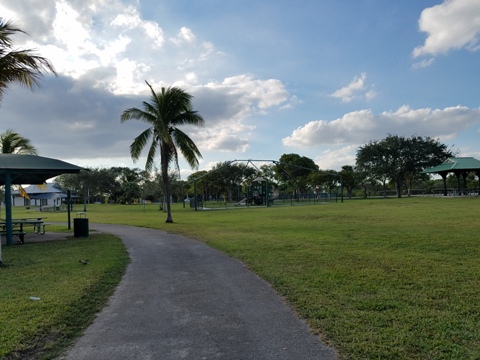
x,y
180,299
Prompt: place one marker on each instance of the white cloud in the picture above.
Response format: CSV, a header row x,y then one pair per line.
x,y
68,28
222,140
334,159
356,89
6,13
228,105
185,35
207,49
131,19
362,126
452,25
263,93
86,37
350,127
369,95
129,79
238,97
191,78
424,63
110,45
469,151
292,102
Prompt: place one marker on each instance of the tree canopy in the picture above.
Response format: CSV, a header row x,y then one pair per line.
x,y
400,159
19,65
293,169
12,142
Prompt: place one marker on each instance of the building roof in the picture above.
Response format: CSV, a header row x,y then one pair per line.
x,y
19,169
47,188
455,164
44,188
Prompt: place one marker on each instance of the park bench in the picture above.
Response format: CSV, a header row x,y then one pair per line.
x,y
19,227
18,233
39,228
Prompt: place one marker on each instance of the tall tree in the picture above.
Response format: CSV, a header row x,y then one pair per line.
x,y
19,65
422,153
85,183
349,178
165,112
366,181
400,159
323,179
199,182
13,143
268,172
129,181
293,169
227,176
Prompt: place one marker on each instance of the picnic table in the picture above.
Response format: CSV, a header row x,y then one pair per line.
x,y
54,208
18,226
49,208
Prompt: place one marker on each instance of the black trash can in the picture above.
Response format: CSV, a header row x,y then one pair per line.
x,y
80,227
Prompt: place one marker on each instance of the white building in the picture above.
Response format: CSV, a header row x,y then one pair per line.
x,y
39,195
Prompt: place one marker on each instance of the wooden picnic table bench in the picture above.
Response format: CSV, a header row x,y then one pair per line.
x,y
17,233
19,224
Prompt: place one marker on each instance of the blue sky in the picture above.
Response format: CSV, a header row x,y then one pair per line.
x,y
316,78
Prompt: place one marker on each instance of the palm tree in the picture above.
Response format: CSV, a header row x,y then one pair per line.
x,y
19,65
13,143
164,113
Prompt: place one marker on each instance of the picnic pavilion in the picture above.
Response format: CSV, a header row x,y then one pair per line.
x,y
461,167
16,169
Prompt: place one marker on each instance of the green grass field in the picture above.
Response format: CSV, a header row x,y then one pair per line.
x,y
48,297
377,279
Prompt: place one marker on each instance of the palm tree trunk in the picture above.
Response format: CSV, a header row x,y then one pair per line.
x,y
166,185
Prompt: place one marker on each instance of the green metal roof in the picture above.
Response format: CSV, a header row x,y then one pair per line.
x,y
32,169
454,164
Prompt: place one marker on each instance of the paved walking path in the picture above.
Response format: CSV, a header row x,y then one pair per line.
x,y
180,299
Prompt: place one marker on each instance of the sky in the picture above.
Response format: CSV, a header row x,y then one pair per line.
x,y
318,78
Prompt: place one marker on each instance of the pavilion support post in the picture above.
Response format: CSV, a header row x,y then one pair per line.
x,y
8,208
195,195
183,196
444,177
457,174
478,187
69,209
341,189
464,176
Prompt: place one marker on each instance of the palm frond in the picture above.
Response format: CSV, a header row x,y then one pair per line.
x,y
187,147
12,142
137,114
21,66
151,154
139,143
189,117
165,111
7,29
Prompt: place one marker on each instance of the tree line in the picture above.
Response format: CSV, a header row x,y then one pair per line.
x,y
390,165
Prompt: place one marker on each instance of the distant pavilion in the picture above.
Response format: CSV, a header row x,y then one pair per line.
x,y
461,167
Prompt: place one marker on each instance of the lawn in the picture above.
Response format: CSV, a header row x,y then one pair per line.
x,y
48,296
377,279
